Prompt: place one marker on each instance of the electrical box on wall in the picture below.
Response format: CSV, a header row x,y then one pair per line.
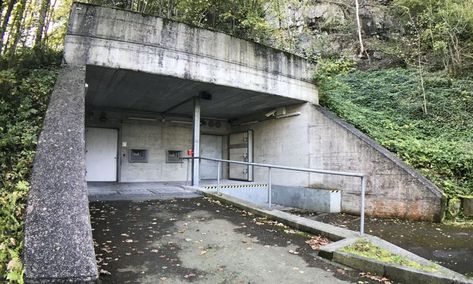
x,y
138,156
173,156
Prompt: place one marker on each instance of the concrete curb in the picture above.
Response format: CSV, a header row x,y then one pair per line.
x,y
390,270
345,237
397,272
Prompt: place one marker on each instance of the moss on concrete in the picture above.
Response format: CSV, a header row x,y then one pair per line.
x,y
365,248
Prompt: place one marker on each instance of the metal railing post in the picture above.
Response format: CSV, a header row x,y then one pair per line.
x,y
362,206
269,187
271,166
218,177
187,173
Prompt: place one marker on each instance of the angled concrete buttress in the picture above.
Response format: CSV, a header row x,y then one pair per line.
x,y
58,235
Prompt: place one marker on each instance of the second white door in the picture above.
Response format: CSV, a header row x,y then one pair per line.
x,y
210,147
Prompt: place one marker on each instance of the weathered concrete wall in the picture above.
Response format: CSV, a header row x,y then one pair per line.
x,y
394,189
157,139
155,136
282,141
120,39
319,140
58,235
318,200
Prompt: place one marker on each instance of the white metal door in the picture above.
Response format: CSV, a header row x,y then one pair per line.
x,y
101,154
210,147
240,148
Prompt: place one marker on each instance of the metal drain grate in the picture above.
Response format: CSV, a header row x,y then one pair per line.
x,y
237,186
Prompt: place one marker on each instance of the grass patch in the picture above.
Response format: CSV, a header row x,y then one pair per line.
x,y
365,248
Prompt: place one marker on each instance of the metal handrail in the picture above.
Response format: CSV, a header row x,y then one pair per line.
x,y
308,170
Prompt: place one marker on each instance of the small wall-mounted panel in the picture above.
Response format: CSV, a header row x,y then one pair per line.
x,y
173,156
138,156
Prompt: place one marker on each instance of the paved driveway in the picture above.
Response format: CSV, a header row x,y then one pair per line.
x,y
201,241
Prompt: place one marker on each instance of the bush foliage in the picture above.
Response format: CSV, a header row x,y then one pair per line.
x,y
387,105
440,32
24,93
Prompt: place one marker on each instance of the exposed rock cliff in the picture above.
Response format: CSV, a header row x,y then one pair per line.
x,y
328,27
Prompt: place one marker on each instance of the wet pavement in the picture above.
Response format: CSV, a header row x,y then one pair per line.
x,y
448,245
202,241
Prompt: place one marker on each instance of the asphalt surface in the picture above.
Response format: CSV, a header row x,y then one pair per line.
x,y
202,241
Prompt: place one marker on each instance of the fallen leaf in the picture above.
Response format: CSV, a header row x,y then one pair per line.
x,y
317,241
105,272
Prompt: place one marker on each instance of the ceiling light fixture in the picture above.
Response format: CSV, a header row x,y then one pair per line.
x,y
142,118
181,122
288,115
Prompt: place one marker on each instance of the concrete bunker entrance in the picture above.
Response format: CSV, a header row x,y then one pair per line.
x,y
186,74
139,126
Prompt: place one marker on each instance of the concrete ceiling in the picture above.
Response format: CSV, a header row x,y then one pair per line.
x,y
137,91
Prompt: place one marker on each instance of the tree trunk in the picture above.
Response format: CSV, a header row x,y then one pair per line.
x,y
1,9
49,18
43,12
358,22
11,4
17,29
28,20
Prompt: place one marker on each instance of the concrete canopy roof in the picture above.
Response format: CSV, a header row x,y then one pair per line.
x,y
120,89
242,76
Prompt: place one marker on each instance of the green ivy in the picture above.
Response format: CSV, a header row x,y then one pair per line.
x,y
24,94
387,106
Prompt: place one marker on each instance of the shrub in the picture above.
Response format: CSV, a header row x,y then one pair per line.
x,y
24,94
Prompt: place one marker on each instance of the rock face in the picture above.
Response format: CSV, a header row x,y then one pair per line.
x,y
324,27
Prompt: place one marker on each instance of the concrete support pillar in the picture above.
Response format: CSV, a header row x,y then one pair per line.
x,y
196,143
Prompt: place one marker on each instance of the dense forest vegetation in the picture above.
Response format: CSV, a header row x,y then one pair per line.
x,y
397,69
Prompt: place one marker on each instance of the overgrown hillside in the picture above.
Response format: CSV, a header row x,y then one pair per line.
x,y
388,105
24,94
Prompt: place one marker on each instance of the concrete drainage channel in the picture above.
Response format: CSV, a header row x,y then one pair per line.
x,y
344,238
